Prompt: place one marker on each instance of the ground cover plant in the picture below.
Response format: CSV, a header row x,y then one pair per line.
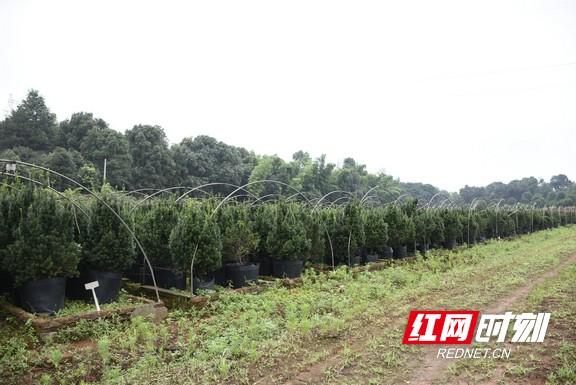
x,y
241,338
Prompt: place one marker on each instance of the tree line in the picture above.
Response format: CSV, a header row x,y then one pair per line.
x,y
142,158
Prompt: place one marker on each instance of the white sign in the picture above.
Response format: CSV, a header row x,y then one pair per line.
x,y
92,286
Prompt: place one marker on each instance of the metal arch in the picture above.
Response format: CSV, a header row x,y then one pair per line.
x,y
118,216
339,199
261,199
238,188
327,195
139,191
45,186
243,187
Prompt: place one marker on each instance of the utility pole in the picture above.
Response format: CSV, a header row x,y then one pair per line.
x,y
104,175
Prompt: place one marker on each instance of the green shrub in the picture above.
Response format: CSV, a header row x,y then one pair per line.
x,y
196,236
346,231
43,241
239,240
400,227
452,225
153,226
287,239
109,245
376,231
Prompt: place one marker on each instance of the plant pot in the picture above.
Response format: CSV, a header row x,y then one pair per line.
x,y
388,252
166,278
355,260
202,283
75,288
220,276
108,285
6,283
370,258
423,247
43,296
136,273
241,275
266,268
450,244
287,269
400,252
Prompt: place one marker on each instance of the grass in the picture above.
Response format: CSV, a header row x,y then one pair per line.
x,y
75,307
243,338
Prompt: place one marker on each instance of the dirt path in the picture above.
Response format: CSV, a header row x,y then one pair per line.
x,y
433,368
424,371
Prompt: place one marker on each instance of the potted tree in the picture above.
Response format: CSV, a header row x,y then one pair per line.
x,y
196,242
239,242
261,218
287,241
452,228
347,233
400,230
153,226
109,247
376,231
42,253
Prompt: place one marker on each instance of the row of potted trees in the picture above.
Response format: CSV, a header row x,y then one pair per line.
x,y
49,244
48,247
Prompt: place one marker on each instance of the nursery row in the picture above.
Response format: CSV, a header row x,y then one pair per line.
x,y
47,237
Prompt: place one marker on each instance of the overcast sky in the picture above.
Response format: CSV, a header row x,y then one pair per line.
x,y
442,92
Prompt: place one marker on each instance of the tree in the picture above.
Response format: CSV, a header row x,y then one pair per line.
x,y
560,181
196,237
152,161
204,160
43,244
65,162
31,125
74,130
287,239
109,246
112,146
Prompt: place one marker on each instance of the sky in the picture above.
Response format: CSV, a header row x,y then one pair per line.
x,y
442,92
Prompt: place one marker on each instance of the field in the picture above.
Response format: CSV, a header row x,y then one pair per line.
x,y
337,328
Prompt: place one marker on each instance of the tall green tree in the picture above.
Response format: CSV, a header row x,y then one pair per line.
x,y
152,162
112,146
31,124
74,130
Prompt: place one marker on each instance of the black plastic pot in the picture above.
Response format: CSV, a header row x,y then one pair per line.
x,y
135,273
75,288
241,275
266,268
108,285
400,252
6,283
422,247
44,296
388,252
220,276
167,278
450,244
369,258
287,269
203,283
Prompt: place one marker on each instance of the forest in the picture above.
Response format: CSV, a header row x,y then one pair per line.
x,y
142,157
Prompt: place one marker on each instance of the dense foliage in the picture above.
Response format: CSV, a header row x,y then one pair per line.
x,y
153,225
239,240
197,238
41,230
38,235
109,245
143,158
288,239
